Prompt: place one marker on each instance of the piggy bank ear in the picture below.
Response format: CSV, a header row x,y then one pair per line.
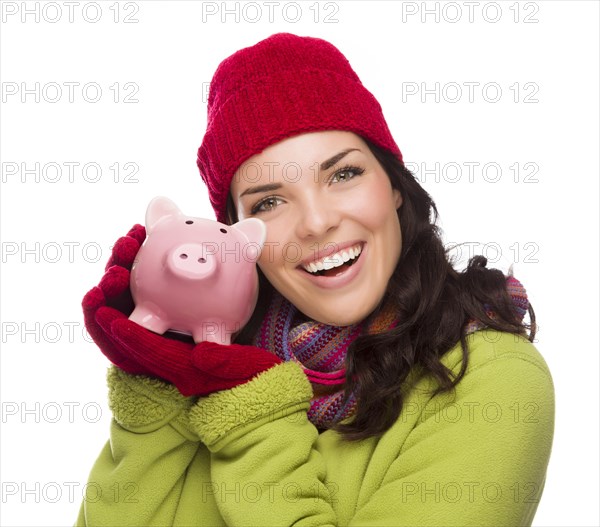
x,y
256,232
158,209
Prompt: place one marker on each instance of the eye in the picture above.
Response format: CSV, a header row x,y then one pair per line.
x,y
269,202
347,173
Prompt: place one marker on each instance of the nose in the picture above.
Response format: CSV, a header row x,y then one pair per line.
x,y
192,261
316,217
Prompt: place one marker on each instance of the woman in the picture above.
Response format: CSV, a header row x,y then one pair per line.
x,y
374,384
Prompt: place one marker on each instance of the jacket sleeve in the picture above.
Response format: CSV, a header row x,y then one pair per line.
x,y
476,457
263,458
140,473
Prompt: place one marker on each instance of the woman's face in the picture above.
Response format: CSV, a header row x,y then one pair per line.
x,y
324,199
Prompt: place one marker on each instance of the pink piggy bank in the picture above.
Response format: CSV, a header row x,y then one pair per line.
x,y
194,275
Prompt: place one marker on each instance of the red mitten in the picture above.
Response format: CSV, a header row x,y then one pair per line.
x,y
199,369
106,309
111,300
231,365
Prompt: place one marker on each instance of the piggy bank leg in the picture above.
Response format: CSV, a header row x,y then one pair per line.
x,y
149,319
212,332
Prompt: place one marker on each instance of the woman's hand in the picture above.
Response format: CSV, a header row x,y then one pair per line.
x,y
111,300
195,369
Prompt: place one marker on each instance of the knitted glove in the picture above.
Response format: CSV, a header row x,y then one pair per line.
x,y
111,299
195,369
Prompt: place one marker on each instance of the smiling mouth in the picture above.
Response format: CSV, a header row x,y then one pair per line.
x,y
335,271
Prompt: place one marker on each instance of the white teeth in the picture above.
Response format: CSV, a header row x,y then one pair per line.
x,y
334,260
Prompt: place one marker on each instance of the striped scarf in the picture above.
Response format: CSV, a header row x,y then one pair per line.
x,y
321,349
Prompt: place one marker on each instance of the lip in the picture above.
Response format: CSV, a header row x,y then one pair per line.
x,y
333,282
334,248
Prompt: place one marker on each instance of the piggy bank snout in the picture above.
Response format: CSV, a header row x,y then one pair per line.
x,y
192,261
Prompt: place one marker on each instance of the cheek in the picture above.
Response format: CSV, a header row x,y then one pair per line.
x,y
374,207
272,253
380,217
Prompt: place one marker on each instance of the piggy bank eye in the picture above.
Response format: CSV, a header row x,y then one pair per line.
x,y
189,222
223,230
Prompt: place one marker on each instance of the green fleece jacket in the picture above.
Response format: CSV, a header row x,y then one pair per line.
x,y
248,456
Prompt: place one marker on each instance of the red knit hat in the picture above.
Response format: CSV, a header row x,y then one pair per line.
x,y
282,86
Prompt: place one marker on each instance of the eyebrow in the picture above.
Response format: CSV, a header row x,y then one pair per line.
x,y
325,165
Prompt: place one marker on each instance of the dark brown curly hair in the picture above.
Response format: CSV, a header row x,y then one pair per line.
x,y
434,302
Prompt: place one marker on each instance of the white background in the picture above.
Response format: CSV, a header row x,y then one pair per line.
x,y
548,226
